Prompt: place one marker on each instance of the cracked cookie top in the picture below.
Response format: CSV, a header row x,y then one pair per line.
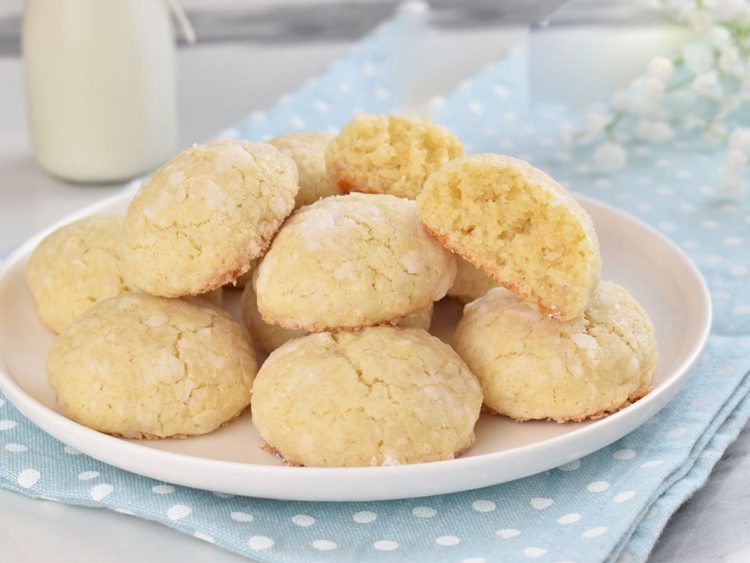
x,y
379,396
197,223
533,367
308,151
142,366
351,261
75,267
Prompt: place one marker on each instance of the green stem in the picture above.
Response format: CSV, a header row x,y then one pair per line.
x,y
609,129
711,131
681,84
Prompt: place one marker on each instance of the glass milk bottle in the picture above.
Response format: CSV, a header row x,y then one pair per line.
x,y
101,86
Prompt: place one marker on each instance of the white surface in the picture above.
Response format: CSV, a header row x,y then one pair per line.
x,y
659,275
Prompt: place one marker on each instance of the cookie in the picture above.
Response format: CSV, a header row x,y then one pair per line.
x,y
379,396
269,337
75,267
140,366
196,224
470,282
245,279
420,319
533,367
214,297
519,226
308,151
351,261
388,154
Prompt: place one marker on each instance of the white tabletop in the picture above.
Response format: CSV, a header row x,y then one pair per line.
x,y
219,83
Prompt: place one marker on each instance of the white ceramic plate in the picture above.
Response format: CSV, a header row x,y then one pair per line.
x,y
231,460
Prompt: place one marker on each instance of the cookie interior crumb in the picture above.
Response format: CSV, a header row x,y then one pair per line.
x,y
389,154
519,226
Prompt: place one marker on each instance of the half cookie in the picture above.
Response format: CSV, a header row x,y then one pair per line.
x,y
519,226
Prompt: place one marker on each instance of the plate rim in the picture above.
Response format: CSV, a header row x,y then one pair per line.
x,y
98,445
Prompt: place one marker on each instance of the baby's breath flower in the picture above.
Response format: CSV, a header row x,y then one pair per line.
x,y
707,85
729,10
720,38
620,101
729,104
699,90
735,160
660,68
594,122
655,88
730,61
740,140
698,57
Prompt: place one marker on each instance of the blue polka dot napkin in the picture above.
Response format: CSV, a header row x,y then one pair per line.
x,y
609,506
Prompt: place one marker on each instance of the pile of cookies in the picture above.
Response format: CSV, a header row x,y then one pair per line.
x,y
343,245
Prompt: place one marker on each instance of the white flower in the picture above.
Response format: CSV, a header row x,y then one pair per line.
x,y
640,104
609,157
730,61
653,131
730,10
699,20
728,105
720,38
594,122
740,140
683,99
654,89
698,57
735,161
691,122
707,85
660,68
620,101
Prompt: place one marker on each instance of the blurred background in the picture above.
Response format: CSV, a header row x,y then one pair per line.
x,y
249,53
